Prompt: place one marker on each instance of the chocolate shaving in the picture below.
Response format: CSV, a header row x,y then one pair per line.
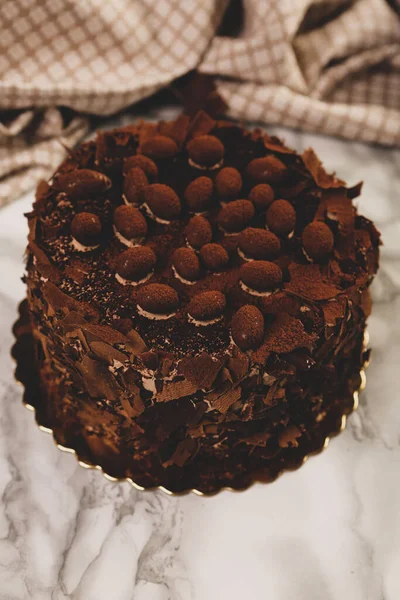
x,y
200,370
320,176
286,334
308,282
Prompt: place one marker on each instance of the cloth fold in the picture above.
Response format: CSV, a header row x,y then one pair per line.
x,y
331,66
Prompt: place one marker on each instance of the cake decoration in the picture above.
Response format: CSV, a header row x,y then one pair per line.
x,y
198,232
260,276
214,257
267,169
281,217
248,327
186,264
130,226
161,202
206,307
134,184
80,183
157,301
262,196
198,194
135,265
140,161
317,240
159,147
205,151
258,243
234,217
86,230
228,183
197,350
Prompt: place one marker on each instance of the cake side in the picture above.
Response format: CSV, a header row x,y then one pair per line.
x,y
228,339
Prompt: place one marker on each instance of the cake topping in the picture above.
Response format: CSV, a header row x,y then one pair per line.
x,y
248,327
136,263
134,184
261,275
234,217
308,282
259,243
130,223
207,306
186,264
268,169
157,299
214,257
198,194
198,232
86,229
205,151
317,240
143,162
228,183
262,196
286,334
162,202
159,147
82,183
281,217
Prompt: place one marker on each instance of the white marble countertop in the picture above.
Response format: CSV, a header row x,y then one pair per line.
x,y
329,531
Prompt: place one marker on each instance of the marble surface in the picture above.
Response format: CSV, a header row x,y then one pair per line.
x,y
330,530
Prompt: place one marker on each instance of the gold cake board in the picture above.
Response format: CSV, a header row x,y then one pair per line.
x,y
25,374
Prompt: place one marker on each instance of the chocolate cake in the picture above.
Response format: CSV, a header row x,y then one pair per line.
x,y
198,296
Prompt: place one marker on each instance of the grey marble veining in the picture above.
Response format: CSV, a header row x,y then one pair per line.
x,y
329,531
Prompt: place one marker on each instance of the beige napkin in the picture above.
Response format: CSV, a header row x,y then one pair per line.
x,y
331,66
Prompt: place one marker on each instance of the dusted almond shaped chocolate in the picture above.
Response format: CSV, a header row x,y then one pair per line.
x,y
82,183
267,169
214,257
129,223
262,196
148,166
259,243
281,217
261,275
198,194
207,306
157,299
248,327
205,151
196,350
135,264
134,184
186,264
317,240
198,232
86,229
162,202
234,216
228,183
159,147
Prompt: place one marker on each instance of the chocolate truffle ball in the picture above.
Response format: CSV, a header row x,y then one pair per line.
x,y
158,299
198,194
262,196
186,263
268,169
259,243
134,184
214,257
248,327
143,162
228,183
234,217
159,147
163,201
207,306
198,232
130,222
261,275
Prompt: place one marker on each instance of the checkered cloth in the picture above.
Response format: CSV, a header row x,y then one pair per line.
x,y
331,66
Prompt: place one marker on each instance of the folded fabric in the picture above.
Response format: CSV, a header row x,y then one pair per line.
x,y
330,66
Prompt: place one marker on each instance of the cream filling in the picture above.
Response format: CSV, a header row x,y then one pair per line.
x,y
181,278
255,292
124,281
125,241
243,255
205,168
153,316
150,213
203,323
81,248
149,384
